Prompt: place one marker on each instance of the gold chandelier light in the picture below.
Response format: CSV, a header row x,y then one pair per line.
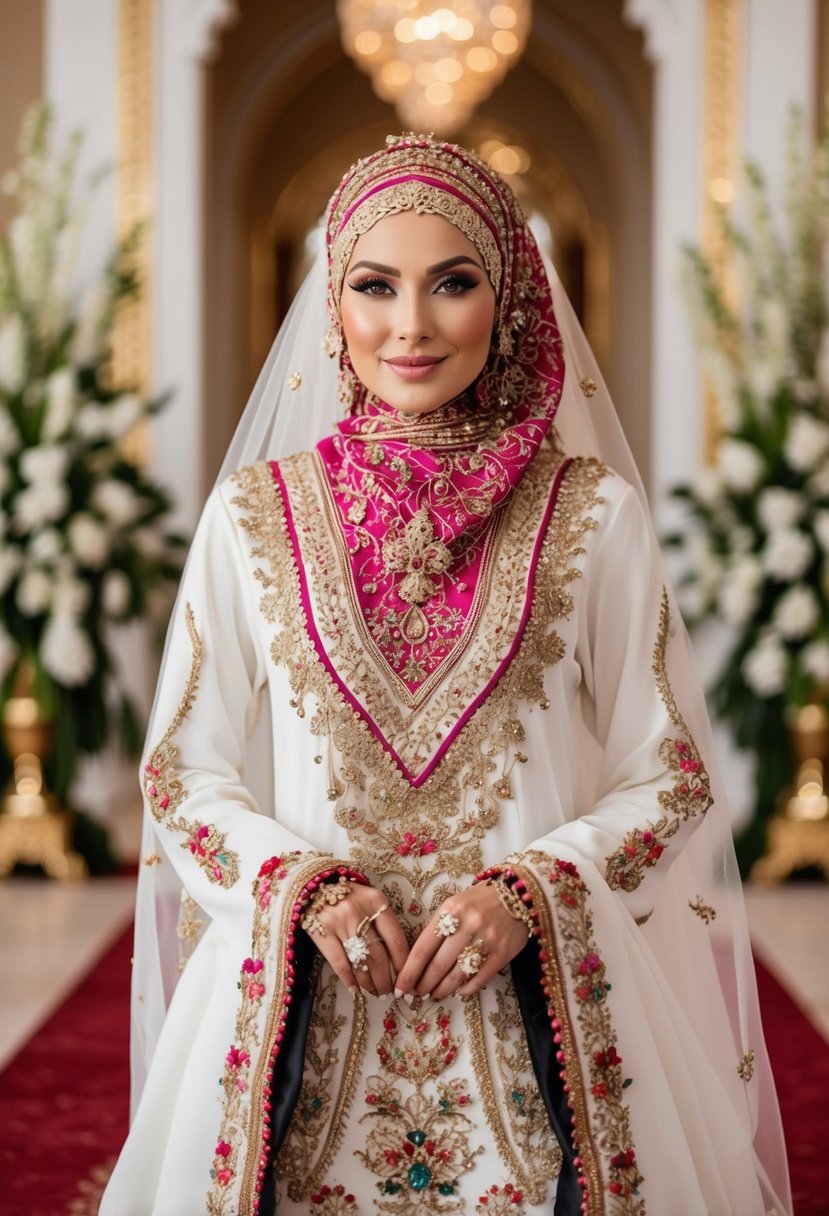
x,y
434,62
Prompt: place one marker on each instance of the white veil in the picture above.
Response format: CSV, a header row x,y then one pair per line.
x,y
294,403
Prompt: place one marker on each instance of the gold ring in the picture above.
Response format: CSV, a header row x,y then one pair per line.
x,y
472,958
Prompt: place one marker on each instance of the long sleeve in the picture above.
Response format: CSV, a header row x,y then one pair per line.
x,y
213,689
651,784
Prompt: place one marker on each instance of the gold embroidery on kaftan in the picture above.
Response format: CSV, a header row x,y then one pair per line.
x,y
418,1134
531,1155
436,829
689,796
704,911
745,1067
165,791
320,1111
601,1116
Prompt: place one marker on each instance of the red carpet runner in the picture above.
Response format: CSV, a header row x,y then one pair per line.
x,y
63,1099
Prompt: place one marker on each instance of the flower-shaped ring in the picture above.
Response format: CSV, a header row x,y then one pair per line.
x,y
446,925
356,951
472,958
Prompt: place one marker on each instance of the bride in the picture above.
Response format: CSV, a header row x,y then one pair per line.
x,y
431,811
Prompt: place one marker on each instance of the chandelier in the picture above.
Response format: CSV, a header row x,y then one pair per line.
x,y
434,62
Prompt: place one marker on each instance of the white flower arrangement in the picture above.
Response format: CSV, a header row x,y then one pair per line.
x,y
76,514
762,510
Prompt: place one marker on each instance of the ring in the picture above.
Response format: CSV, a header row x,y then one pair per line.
x,y
446,925
369,920
356,951
472,958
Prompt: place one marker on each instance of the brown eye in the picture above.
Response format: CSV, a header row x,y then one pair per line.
x,y
456,284
372,287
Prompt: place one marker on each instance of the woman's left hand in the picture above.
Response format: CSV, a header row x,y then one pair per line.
x,y
485,931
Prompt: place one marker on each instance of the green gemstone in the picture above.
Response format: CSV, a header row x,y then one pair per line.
x,y
316,1103
419,1176
416,1137
447,1188
391,1188
517,1097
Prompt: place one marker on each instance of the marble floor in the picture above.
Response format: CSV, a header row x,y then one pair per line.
x,y
51,933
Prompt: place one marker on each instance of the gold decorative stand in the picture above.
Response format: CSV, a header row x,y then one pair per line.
x,y
34,829
798,834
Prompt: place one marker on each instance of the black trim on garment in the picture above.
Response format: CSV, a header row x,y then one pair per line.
x,y
526,976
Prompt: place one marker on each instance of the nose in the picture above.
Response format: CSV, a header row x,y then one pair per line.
x,y
415,322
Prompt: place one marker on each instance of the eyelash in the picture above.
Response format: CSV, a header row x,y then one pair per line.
x,y
465,282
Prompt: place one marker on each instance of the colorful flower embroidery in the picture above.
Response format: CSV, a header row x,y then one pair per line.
x,y
165,792
500,1201
334,1201
689,796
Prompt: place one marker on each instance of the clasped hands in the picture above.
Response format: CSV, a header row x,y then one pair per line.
x,y
465,944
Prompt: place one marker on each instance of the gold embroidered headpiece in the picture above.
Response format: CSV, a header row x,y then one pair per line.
x,y
419,173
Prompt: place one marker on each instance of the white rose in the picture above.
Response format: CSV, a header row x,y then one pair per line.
x,y
10,563
779,508
60,404
12,355
818,484
66,651
88,540
9,434
764,667
116,593
708,485
71,596
34,593
46,463
39,505
148,541
814,659
92,422
45,546
739,590
9,651
787,554
806,443
117,501
741,465
796,613
763,376
125,413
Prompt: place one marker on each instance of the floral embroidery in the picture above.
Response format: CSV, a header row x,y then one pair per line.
x,y
165,791
419,554
266,978
152,859
417,1146
601,1117
530,1153
376,804
745,1068
690,795
499,1201
300,1163
188,927
704,911
334,1201
294,381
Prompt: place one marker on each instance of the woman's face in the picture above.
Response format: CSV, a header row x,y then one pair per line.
x,y
417,311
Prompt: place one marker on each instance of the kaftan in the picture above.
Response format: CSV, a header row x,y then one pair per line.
x,y
551,735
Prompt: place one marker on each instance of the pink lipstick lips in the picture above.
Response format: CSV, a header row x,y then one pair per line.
x,y
414,367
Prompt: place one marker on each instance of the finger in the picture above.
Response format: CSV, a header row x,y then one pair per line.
x,y
420,956
332,951
441,966
394,939
379,966
469,986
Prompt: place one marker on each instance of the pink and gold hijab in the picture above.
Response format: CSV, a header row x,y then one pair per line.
x,y
417,501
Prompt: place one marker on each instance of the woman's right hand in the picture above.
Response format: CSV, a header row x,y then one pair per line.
x,y
388,948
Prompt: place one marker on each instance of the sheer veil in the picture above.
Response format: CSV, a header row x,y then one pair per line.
x,y
294,403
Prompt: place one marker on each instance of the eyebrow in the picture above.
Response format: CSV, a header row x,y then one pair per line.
x,y
461,260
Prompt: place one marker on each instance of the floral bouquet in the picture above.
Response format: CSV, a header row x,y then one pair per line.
x,y
82,540
757,536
